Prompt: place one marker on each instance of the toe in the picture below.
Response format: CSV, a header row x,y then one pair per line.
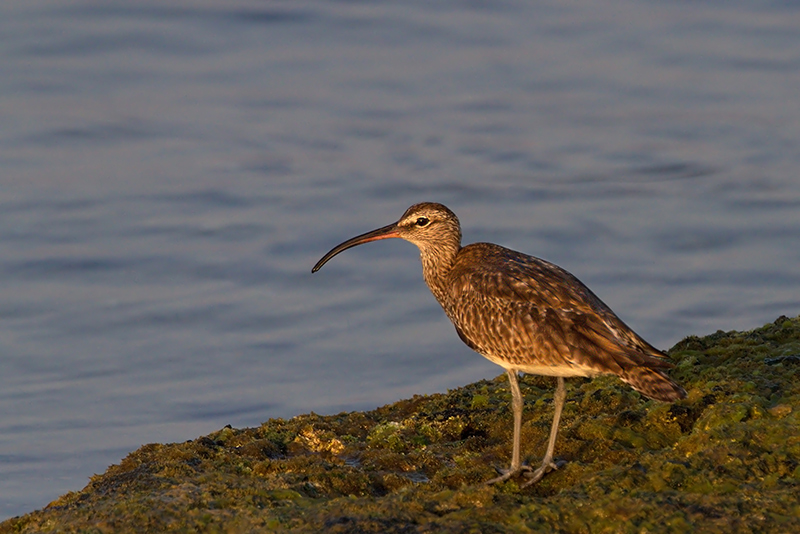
x,y
536,476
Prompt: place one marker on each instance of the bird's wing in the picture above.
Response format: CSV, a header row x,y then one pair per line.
x,y
515,305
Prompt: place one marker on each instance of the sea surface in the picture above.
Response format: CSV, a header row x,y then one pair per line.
x,y
171,171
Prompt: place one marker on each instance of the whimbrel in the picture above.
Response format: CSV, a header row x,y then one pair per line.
x,y
525,314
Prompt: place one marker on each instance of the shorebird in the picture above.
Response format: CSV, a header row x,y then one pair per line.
x,y
525,314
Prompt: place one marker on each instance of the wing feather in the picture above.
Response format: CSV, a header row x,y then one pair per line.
x,y
507,305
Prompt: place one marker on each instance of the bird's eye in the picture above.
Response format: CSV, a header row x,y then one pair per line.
x,y
422,221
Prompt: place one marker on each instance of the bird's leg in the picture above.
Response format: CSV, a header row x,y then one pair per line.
x,y
516,406
547,463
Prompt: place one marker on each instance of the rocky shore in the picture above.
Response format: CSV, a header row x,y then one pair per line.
x,y
726,459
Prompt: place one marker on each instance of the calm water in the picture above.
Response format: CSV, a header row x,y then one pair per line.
x,y
172,171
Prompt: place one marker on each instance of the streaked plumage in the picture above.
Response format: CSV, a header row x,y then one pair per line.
x,y
524,314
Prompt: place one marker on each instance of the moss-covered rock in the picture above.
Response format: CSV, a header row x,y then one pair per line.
x,y
726,459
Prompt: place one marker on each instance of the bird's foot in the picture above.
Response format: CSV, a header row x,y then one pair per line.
x,y
528,472
535,476
506,474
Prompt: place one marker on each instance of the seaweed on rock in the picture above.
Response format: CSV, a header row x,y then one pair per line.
x,y
726,459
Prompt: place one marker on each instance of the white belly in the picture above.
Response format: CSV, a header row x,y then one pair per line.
x,y
544,370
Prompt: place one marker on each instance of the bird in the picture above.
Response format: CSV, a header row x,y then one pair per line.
x,y
525,314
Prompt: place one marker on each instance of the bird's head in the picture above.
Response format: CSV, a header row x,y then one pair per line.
x,y
431,226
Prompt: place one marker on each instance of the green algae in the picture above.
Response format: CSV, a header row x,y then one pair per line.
x,y
726,459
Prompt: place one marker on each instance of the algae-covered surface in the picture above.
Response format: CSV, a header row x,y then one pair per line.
x,y
726,459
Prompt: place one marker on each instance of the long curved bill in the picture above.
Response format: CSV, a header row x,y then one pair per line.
x,y
386,232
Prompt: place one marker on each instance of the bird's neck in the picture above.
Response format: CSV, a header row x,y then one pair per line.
x,y
436,266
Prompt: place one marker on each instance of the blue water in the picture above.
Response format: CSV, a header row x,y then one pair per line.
x,y
172,171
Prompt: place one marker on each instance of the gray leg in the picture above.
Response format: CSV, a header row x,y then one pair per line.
x,y
547,462
516,406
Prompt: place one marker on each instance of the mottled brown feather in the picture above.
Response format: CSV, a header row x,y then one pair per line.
x,y
518,310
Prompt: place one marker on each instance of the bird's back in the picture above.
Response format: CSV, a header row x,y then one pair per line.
x,y
525,313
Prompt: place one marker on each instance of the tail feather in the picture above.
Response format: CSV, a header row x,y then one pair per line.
x,y
654,384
